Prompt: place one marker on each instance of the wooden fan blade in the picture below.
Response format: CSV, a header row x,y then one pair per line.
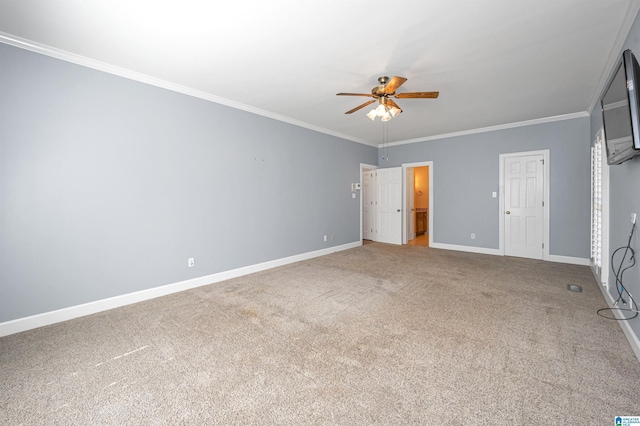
x,y
354,94
393,104
393,84
417,95
361,106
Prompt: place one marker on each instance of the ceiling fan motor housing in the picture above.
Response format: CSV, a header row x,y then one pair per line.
x,y
379,90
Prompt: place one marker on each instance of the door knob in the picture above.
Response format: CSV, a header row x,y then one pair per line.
x,y
398,210
508,212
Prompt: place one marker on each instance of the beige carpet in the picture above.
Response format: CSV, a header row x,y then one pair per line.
x,y
379,334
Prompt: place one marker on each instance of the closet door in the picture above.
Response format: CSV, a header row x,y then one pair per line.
x,y
369,205
523,223
389,208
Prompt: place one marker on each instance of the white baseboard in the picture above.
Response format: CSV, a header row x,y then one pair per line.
x,y
65,314
470,249
568,259
631,336
497,252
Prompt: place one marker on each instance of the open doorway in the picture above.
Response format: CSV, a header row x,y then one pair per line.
x,y
418,203
420,214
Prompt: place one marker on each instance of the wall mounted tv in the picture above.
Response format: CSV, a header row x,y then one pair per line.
x,y
620,107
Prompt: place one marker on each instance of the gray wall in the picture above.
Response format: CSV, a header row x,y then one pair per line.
x,y
108,185
624,197
466,172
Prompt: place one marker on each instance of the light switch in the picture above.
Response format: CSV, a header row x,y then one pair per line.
x,y
495,194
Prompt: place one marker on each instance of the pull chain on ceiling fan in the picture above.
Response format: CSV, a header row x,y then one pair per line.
x,y
382,93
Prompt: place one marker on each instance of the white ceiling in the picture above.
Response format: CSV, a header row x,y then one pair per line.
x,y
494,62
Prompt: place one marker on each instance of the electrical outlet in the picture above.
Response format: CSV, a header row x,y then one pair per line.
x,y
633,218
325,238
191,262
473,236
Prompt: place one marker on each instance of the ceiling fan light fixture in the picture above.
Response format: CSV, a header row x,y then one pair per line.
x,y
387,108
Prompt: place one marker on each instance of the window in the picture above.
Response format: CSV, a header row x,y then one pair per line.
x,y
599,210
596,206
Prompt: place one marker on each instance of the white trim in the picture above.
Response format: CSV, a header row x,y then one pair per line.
x,y
363,167
470,249
496,252
545,212
631,336
582,114
46,50
404,198
614,53
153,81
65,314
614,105
570,260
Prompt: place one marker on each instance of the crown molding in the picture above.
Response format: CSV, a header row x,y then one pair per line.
x,y
627,23
63,55
491,128
153,81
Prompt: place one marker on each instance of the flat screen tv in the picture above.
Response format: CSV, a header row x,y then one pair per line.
x,y
620,107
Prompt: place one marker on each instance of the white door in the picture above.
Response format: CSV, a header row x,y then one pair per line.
x,y
524,204
389,208
368,205
411,211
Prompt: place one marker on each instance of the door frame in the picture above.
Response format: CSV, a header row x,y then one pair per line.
x,y
545,198
411,197
363,167
405,166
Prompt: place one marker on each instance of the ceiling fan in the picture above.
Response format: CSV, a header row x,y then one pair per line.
x,y
383,93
